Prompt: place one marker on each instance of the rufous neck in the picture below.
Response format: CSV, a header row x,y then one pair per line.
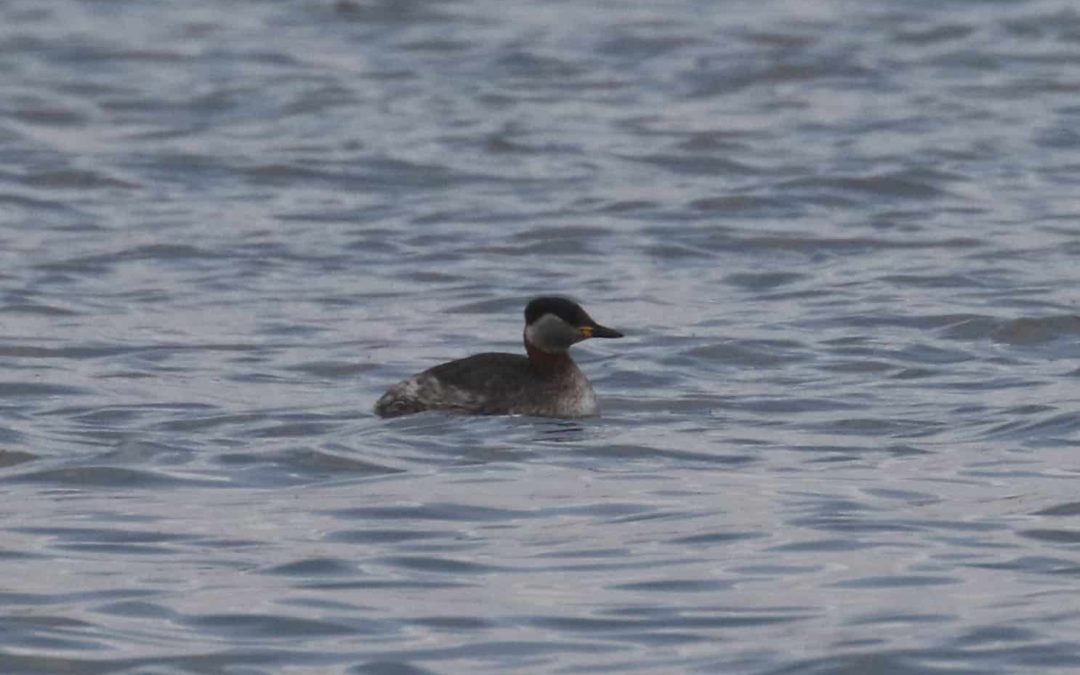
x,y
548,363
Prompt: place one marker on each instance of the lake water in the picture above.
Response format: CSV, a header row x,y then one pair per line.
x,y
842,434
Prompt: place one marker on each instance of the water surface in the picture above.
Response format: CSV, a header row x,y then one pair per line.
x,y
840,436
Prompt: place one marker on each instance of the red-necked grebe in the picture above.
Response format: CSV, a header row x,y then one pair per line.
x,y
545,383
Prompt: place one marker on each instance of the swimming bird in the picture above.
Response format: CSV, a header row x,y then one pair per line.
x,y
545,383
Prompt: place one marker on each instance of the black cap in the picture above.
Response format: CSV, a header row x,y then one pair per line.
x,y
567,310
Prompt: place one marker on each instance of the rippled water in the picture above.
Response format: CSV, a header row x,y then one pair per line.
x,y
841,437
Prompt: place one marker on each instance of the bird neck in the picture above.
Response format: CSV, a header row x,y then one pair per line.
x,y
548,363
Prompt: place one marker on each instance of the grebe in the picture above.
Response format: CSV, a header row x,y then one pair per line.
x,y
545,383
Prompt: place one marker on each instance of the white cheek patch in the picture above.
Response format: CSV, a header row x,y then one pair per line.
x,y
550,333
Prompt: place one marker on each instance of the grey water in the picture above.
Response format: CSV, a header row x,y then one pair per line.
x,y
842,435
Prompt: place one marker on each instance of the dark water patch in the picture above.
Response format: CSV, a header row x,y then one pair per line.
x,y
1037,330
710,80
505,653
389,668
276,627
1066,509
771,571
13,457
744,205
432,512
995,634
934,280
793,405
894,662
655,515
416,584
898,185
545,68
579,234
878,427
117,550
331,463
386,536
75,597
839,246
1023,410
283,174
226,543
759,281
905,450
758,354
676,586
710,620
202,423
136,609
147,352
886,617
933,34
48,115
454,624
150,252
22,390
36,309
896,581
551,247
497,306
113,416
568,240
586,553
67,352
674,252
103,477
332,370
32,205
386,13
21,555
1035,564
75,179
439,565
824,545
917,374
623,568
209,662
923,353
50,633
314,567
929,321
867,367
1052,536
374,175
629,206
311,429
607,509
637,44
507,142
643,452
722,537
850,523
101,535
1048,426
697,165
130,450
